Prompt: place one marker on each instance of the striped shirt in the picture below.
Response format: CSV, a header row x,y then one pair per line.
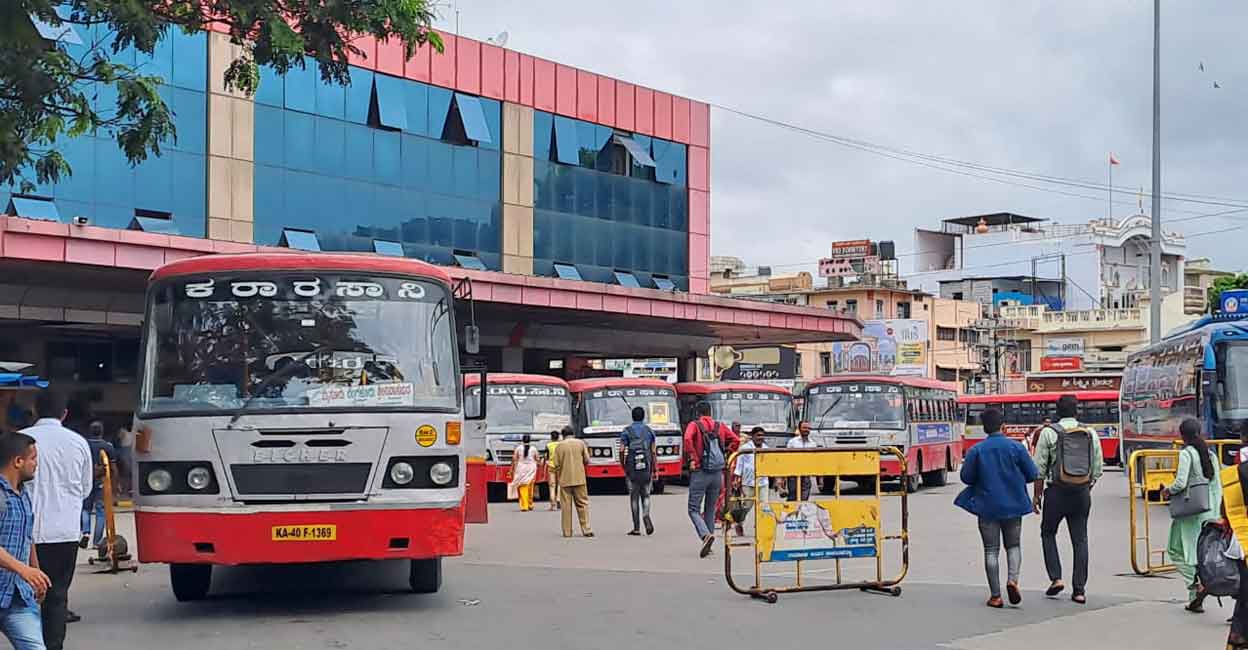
x,y
17,525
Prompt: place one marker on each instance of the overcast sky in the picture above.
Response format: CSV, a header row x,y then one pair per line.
x,y
1046,87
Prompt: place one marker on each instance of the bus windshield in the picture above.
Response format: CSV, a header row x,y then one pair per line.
x,y
522,408
1233,403
257,342
752,408
851,405
607,411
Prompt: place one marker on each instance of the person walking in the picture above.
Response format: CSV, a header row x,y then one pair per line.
x,y
571,457
1198,470
94,504
639,446
704,448
1234,480
22,584
552,477
125,459
1070,461
806,483
744,478
997,472
57,493
524,471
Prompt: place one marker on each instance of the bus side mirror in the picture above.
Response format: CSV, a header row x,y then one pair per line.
x,y
472,342
481,396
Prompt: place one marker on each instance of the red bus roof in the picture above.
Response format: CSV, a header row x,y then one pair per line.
x,y
513,378
595,383
917,382
1011,398
299,261
703,388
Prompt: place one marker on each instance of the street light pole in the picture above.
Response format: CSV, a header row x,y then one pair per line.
x,y
1154,266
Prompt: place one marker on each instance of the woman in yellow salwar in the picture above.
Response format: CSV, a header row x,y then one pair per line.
x,y
524,472
1235,498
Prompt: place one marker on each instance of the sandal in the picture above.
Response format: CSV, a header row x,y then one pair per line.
x,y
1011,590
1079,598
995,602
1054,589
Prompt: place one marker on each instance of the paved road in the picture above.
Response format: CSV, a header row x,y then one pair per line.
x,y
520,585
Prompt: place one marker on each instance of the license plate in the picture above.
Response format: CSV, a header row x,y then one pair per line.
x,y
308,533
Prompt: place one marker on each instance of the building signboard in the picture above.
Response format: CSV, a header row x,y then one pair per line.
x,y
889,347
762,364
1061,383
1063,347
1053,364
857,248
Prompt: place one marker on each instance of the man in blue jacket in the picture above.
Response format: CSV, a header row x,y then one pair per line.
x,y
997,473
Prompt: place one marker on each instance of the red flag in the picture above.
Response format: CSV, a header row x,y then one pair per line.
x,y
1112,159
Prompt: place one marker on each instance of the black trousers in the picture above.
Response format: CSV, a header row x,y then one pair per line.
x,y
58,561
1074,505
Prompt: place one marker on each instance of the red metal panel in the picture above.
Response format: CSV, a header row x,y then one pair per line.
x,y
761,319
511,77
33,247
606,101
442,68
742,317
390,57
639,306
700,124
615,304
563,299
173,255
96,232
777,320
625,105
705,314
535,297
663,309
699,169
699,212
368,56
417,67
139,257
527,96
492,74
468,66
680,119
565,90
591,301
219,246
699,249
476,492
191,243
140,238
645,111
586,96
88,251
508,293
663,115
36,227
543,85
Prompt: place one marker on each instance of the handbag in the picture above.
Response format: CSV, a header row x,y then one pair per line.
x,y
1192,499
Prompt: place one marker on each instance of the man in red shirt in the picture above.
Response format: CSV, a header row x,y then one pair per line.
x,y
705,442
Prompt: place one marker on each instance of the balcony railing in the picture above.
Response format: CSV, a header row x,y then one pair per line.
x,y
1039,318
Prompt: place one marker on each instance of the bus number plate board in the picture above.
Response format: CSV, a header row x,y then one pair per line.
x,y
308,533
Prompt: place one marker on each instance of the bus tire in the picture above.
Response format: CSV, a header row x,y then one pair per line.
x,y
425,576
659,486
936,478
911,482
190,581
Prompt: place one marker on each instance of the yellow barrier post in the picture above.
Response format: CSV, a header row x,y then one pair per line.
x,y
116,553
820,529
1149,470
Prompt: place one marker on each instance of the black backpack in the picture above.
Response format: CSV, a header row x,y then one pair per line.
x,y
1217,573
1072,466
638,459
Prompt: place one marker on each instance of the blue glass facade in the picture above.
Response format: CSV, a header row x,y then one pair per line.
x,y
603,221
104,187
370,162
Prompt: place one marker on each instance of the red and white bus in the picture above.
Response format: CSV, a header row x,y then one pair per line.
x,y
517,404
753,405
300,408
1025,412
919,416
603,407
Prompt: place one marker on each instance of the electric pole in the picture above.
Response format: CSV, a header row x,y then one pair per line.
x,y
1154,266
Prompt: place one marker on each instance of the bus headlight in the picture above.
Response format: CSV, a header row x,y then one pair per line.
x,y
159,480
402,473
197,479
441,473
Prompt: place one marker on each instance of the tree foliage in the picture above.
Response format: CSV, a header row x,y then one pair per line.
x,y
46,94
1237,281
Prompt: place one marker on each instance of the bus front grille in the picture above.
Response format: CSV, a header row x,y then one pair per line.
x,y
301,478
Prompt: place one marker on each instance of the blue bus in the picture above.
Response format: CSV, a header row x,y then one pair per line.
x,y
1199,370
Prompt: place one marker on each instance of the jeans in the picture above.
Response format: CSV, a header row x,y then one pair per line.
x,y
20,625
807,484
639,499
94,504
1074,505
992,533
704,489
57,560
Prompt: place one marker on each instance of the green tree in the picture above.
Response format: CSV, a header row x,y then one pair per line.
x,y
45,93
1237,281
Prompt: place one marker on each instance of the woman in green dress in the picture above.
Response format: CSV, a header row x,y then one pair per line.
x,y
1197,466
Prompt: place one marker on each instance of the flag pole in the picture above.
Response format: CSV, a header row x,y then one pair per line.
x,y
1111,188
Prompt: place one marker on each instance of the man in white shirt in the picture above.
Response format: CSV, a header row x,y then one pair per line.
x,y
62,483
743,474
801,441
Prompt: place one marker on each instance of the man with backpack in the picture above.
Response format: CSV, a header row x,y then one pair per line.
x,y
704,446
639,444
1070,461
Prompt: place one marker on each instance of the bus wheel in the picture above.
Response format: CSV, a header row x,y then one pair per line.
x,y
911,482
658,487
190,581
426,576
936,478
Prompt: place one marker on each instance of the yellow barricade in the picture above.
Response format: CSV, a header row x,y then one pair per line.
x,y
808,529
1149,470
116,556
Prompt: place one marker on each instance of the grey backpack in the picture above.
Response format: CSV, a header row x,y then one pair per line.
x,y
1073,465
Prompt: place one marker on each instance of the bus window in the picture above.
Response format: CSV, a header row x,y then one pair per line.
x,y
1113,413
973,412
1095,412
